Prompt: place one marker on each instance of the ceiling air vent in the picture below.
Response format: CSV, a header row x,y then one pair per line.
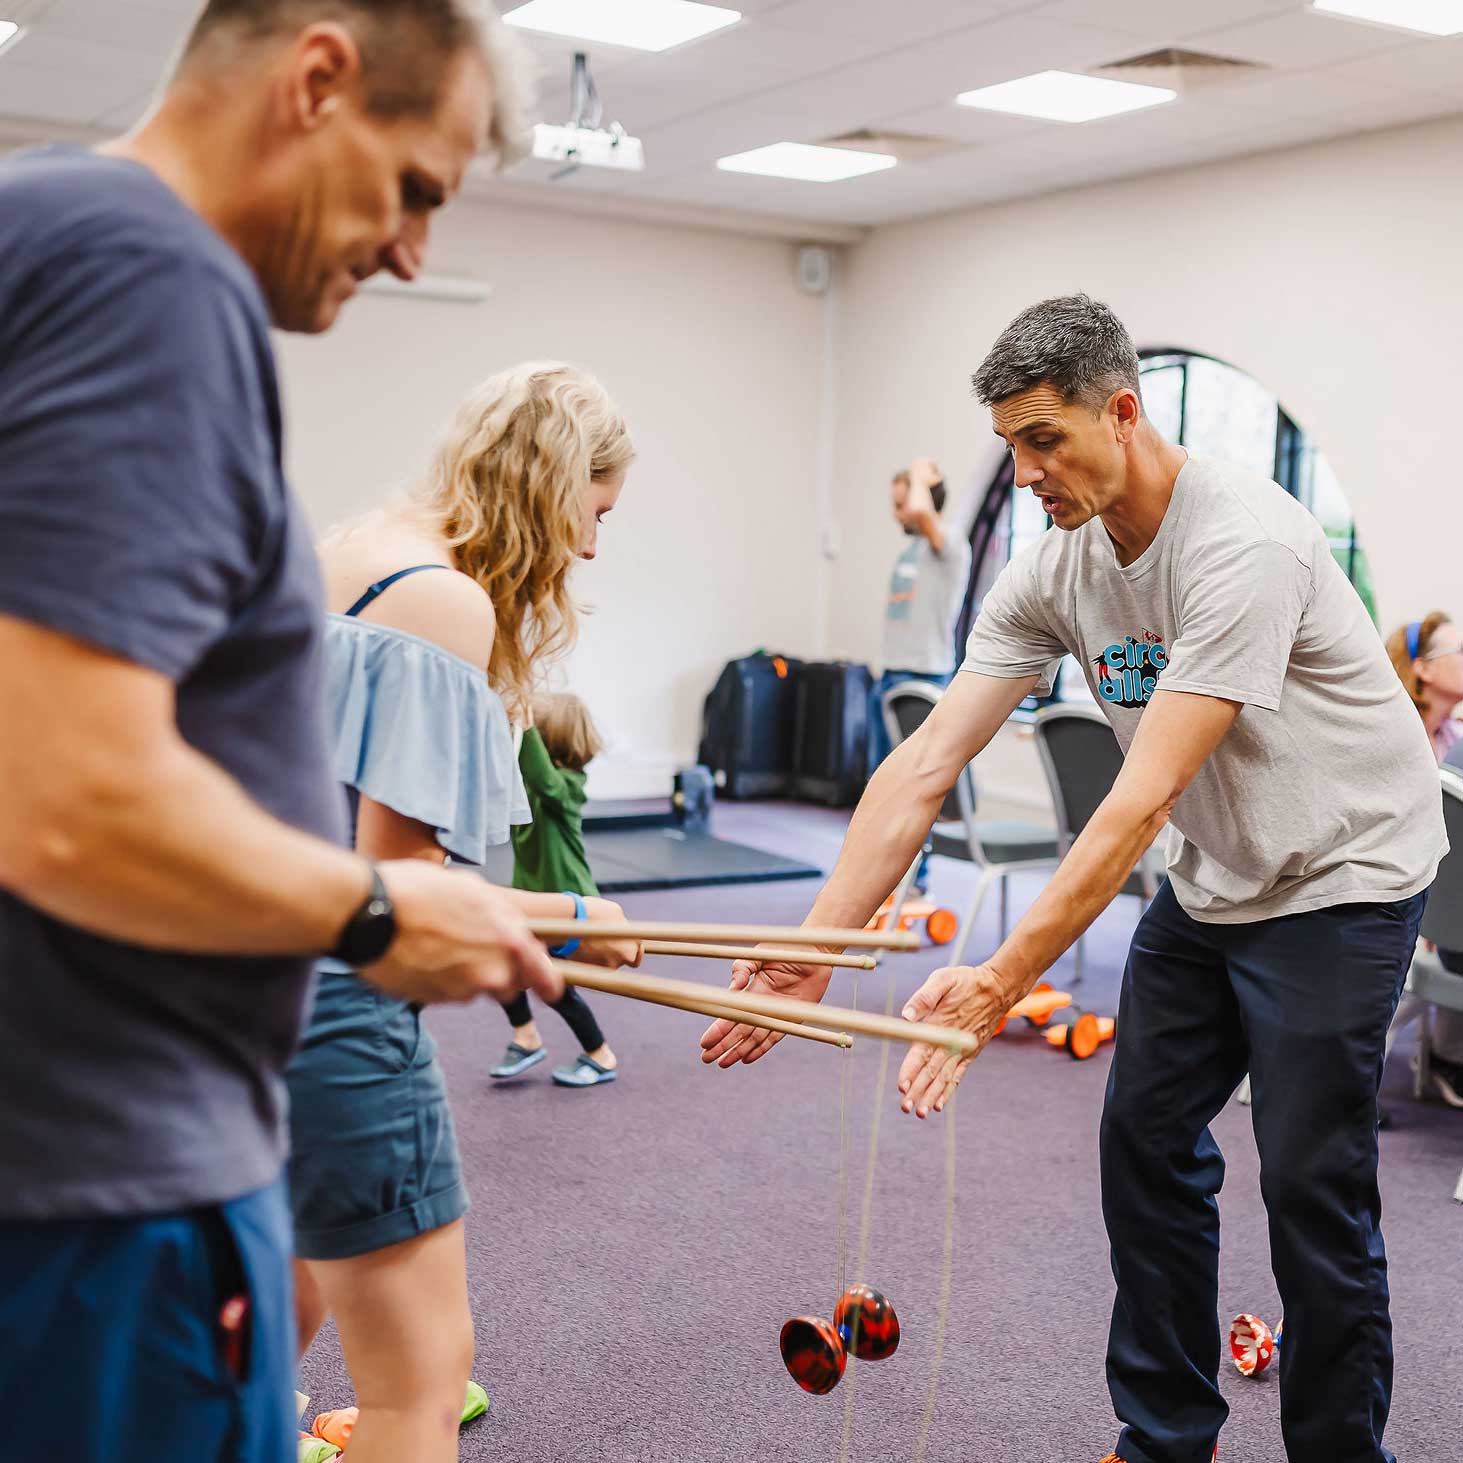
x,y
1180,70
908,147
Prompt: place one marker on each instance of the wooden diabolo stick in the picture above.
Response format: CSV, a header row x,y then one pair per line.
x,y
712,1007
766,1023
759,952
559,931
806,1013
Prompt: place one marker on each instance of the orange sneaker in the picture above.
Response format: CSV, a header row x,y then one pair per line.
x,y
335,1427
1113,1457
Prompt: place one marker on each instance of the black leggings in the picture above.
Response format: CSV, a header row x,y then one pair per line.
x,y
573,1008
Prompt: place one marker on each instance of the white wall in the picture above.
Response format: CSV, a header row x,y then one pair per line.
x,y
1327,272
1330,273
716,360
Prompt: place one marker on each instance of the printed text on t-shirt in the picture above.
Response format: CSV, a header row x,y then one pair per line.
x,y
1128,670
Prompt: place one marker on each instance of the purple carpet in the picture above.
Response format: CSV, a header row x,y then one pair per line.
x,y
634,1250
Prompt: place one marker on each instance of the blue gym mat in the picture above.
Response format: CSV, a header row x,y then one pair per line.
x,y
627,860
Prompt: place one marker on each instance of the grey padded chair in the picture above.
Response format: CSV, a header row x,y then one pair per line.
x,y
1081,757
997,847
1429,983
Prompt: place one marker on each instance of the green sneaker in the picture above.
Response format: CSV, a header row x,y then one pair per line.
x,y
316,1450
475,1405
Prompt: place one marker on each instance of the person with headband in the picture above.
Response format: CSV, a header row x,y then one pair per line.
x,y
1427,655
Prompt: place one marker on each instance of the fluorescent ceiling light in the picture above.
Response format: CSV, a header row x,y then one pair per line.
x,y
9,31
1065,96
1431,17
644,25
806,163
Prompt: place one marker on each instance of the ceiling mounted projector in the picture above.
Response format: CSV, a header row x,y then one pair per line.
x,y
583,141
593,147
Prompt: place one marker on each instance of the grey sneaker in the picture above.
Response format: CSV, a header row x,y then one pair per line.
x,y
517,1060
586,1072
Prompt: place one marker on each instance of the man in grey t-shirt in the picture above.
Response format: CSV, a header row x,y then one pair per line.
x,y
926,591
929,580
1260,718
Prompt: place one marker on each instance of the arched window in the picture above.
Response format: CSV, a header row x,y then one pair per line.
x,y
1214,410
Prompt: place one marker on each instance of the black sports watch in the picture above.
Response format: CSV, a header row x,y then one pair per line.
x,y
368,933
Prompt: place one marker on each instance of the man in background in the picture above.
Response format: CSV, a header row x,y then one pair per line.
x,y
926,593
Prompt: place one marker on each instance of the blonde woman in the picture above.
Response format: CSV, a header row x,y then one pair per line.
x,y
443,607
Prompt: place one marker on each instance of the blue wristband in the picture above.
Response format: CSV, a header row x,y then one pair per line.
x,y
562,952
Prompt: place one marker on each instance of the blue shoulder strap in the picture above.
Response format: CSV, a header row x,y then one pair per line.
x,y
383,584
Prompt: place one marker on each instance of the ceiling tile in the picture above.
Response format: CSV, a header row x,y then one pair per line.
x,y
40,51
1162,22
123,24
26,11
900,80
963,124
1435,65
59,96
1298,38
127,115
1301,93
871,17
655,90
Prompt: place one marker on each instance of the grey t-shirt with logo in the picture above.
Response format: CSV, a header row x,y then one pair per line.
x,y
926,592
1325,790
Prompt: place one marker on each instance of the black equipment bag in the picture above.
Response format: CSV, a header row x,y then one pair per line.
x,y
830,734
746,727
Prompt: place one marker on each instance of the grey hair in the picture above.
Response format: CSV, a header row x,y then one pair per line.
x,y
405,47
1073,343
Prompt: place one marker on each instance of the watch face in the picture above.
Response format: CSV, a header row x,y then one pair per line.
x,y
370,932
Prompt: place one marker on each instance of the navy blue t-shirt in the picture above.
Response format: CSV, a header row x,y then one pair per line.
x,y
143,510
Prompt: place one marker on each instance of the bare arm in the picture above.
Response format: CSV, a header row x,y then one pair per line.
x,y
1176,735
923,475
888,829
114,823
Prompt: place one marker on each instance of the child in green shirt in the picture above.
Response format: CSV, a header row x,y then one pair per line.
x,y
549,856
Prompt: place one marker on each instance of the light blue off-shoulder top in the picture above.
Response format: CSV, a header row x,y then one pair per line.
x,y
420,730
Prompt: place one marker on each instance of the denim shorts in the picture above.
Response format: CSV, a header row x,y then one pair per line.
x,y
373,1154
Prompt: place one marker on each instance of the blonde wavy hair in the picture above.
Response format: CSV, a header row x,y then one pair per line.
x,y
505,487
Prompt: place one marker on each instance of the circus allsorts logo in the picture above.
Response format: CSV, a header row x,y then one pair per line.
x,y
1128,670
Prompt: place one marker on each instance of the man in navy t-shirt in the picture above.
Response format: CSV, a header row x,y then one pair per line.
x,y
170,852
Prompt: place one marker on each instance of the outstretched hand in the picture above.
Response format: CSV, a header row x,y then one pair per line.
x,y
972,998
728,1042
